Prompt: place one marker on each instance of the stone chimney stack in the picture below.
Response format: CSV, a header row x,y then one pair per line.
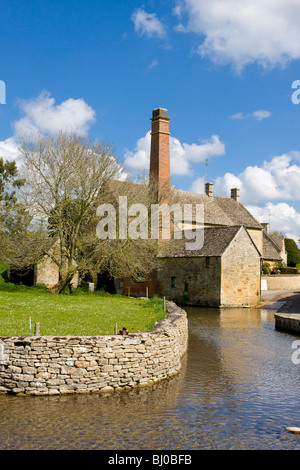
x,y
235,194
208,189
160,151
266,226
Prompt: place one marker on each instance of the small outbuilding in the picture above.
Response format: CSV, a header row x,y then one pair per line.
x,y
225,272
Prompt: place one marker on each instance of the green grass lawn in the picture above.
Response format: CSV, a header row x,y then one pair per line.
x,y
80,313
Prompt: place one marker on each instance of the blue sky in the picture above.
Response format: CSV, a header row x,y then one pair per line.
x,y
223,68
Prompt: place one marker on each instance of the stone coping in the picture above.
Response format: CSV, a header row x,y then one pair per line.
x,y
288,322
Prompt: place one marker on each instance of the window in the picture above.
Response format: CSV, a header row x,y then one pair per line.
x,y
207,261
173,282
186,287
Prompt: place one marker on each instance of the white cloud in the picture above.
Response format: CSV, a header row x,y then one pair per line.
x,y
182,155
241,32
262,114
9,149
207,149
153,64
147,24
41,113
282,218
277,179
265,191
259,115
198,185
140,158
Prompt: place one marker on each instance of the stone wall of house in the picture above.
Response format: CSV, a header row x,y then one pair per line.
x,y
257,237
282,281
48,365
240,284
46,272
192,280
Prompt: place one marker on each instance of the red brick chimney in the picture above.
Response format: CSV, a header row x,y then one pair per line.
x,y
160,151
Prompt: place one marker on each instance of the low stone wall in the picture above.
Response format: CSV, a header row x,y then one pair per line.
x,y
49,365
287,322
282,281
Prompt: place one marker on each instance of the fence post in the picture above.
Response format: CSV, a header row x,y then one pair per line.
x,y
37,329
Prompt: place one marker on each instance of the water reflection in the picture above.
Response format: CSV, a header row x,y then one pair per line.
x,y
238,389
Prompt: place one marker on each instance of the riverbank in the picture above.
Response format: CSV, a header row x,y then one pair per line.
x,y
287,309
289,297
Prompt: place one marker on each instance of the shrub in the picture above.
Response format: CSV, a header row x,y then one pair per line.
x,y
266,268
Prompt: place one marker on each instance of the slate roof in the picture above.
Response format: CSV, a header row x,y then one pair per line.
x,y
215,242
217,210
136,192
220,210
271,250
278,240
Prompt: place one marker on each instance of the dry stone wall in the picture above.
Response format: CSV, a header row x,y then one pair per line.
x,y
49,365
283,281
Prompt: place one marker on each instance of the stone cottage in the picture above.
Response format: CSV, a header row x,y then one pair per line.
x,y
224,272
44,271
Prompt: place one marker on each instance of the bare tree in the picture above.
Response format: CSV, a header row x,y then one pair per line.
x,y
66,177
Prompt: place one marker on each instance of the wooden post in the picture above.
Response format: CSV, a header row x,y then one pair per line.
x,y
37,329
128,291
147,292
116,328
164,304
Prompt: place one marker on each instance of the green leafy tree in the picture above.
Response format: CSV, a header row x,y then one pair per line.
x,y
293,252
9,183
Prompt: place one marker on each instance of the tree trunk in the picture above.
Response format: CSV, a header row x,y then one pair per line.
x,y
64,282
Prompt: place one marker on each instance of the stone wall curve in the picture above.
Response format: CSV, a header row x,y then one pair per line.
x,y
52,365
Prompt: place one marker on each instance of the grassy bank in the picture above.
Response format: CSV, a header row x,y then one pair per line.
x,y
80,313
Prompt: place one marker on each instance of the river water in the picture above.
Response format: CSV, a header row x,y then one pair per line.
x,y
238,389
